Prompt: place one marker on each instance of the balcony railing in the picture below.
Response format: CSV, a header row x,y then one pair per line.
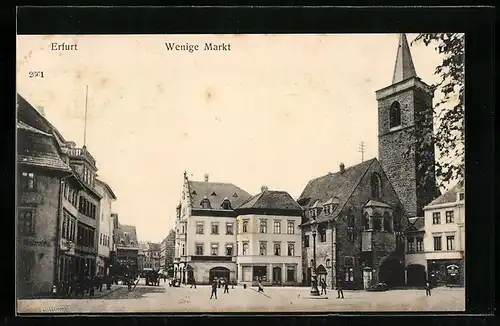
x,y
81,153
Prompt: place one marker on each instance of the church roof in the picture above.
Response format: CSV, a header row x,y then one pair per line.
x,y
404,67
216,192
340,185
279,200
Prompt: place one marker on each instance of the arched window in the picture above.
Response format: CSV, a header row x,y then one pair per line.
x,y
205,203
397,218
376,185
226,204
395,115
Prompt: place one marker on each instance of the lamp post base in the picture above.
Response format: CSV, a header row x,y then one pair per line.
x,y
314,287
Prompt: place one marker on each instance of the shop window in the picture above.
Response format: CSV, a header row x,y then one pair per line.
x,y
291,274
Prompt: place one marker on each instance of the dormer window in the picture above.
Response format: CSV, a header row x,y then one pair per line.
x,y
327,209
226,204
235,195
205,203
193,192
213,194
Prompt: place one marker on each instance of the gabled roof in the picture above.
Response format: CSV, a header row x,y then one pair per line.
x,y
216,192
416,224
107,187
279,200
132,236
154,246
404,68
340,185
37,148
448,197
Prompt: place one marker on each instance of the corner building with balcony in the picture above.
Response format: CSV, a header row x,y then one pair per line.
x,y
268,239
205,237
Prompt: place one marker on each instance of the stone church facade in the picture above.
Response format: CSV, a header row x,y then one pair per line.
x,y
360,214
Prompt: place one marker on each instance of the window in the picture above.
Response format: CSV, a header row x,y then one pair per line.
x,y
349,275
449,217
199,227
322,234
183,249
450,242
205,203
199,249
366,221
306,241
245,226
376,185
26,221
395,115
437,243
277,249
28,181
226,204
328,262
229,249
277,227
461,196
411,245
291,249
214,249
348,261
377,223
183,229
215,228
436,218
245,248
290,273
420,244
326,209
263,226
263,248
229,228
350,234
291,227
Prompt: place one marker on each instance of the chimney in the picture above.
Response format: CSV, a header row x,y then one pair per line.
x,y
41,110
342,167
263,188
206,177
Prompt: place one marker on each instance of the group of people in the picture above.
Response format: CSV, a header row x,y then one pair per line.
x,y
79,286
218,283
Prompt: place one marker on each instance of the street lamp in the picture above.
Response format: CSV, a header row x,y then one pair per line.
x,y
314,277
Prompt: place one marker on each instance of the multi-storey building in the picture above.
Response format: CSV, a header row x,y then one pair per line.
x,y
436,243
205,226
167,253
39,209
355,221
105,227
268,239
127,250
151,255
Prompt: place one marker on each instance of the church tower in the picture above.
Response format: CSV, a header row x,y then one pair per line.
x,y
405,119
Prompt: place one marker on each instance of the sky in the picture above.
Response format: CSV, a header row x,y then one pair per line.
x,y
275,110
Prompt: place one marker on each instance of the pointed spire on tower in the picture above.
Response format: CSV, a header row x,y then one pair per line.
x,y
404,67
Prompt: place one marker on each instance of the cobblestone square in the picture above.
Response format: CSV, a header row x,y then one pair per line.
x,y
274,299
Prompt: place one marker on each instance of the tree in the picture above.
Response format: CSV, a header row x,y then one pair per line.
x,y
449,135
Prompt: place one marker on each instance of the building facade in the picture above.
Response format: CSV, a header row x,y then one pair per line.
x,y
204,229
105,227
39,210
151,255
167,253
127,250
436,246
359,221
405,119
268,239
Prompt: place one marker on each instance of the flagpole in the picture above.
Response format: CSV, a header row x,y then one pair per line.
x,y
85,126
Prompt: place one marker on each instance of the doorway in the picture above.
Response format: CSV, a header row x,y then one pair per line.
x,y
277,275
218,272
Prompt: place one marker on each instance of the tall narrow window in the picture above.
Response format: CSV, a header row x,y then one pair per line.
x,y
436,218
411,245
420,244
245,226
291,249
26,221
306,241
437,244
215,249
277,227
277,249
291,227
229,249
245,248
199,227
449,217
395,115
215,228
229,228
450,242
263,226
376,185
263,248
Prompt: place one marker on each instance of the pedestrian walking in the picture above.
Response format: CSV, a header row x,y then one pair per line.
x,y
101,282
91,284
193,282
226,286
214,289
340,291
260,287
427,289
323,286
